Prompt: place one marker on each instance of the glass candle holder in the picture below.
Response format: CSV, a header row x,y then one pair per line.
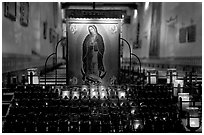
x,y
75,95
171,75
93,91
111,93
84,88
121,95
102,92
178,86
137,125
65,94
152,76
185,100
93,88
193,120
35,76
85,94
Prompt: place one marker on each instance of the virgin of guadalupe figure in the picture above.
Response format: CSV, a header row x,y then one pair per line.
x,y
92,55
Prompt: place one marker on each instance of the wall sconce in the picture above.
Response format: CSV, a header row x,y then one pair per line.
x,y
193,120
146,5
152,76
135,13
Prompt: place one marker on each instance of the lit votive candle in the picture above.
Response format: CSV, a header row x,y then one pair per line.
x,y
185,100
121,94
193,118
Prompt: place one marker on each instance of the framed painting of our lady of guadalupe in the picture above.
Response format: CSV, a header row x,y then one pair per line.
x,y
93,49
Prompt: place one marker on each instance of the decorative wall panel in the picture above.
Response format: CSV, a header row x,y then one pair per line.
x,y
93,50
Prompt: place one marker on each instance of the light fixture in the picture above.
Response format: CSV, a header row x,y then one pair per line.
x,y
146,5
135,13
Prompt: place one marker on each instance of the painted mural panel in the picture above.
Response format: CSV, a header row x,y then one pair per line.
x,y
93,51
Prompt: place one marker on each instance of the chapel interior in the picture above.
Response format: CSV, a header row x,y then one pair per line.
x,y
101,67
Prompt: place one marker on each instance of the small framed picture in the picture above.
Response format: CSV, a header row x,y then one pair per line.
x,y
191,33
45,29
10,10
51,35
24,13
182,35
